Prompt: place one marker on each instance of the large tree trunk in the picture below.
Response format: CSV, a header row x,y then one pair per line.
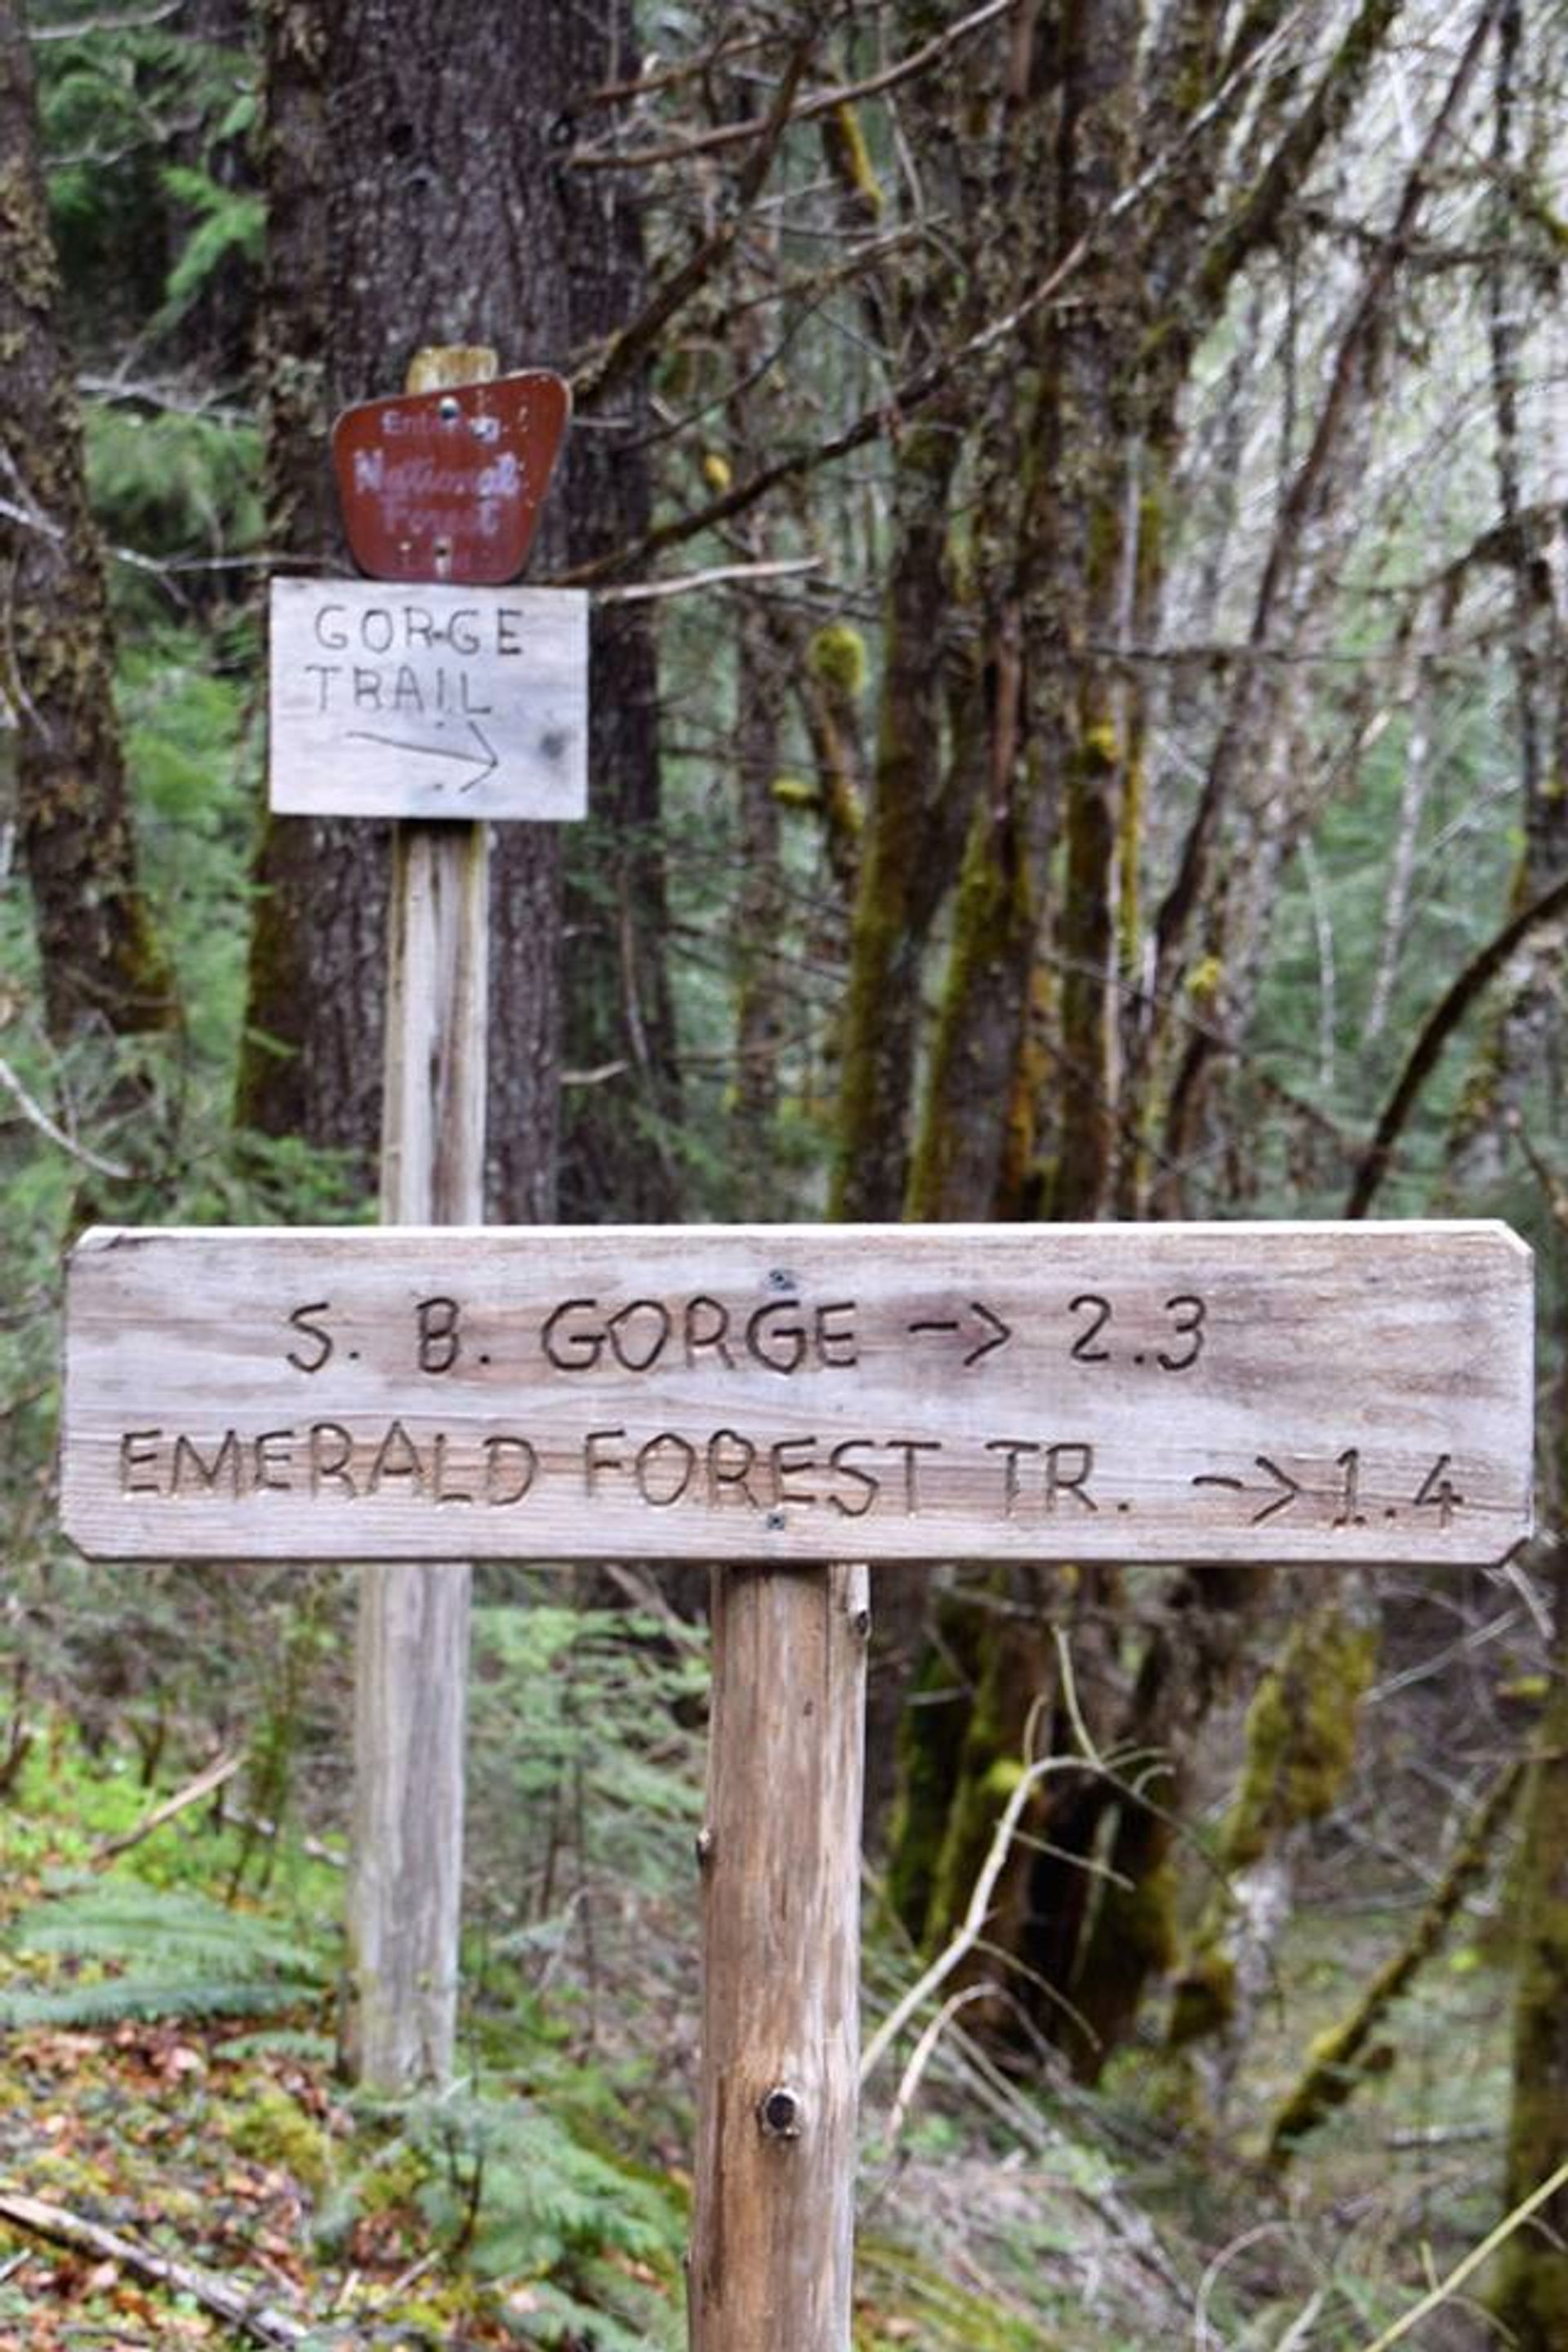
x,y
617,1156
101,960
416,200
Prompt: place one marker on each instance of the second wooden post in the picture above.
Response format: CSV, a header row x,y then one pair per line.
x,y
412,1634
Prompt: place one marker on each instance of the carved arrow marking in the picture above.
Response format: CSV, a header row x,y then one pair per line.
x,y
997,1332
483,762
1288,1488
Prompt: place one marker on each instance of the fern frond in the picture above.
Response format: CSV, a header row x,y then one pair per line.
x,y
170,1953
112,2000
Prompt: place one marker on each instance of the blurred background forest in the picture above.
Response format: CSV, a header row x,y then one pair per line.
x,y
1074,494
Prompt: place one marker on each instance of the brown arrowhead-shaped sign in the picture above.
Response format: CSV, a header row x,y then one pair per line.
x,y
448,485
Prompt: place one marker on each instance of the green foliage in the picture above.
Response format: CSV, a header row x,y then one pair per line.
x,y
152,1952
142,237
587,1729
526,2194
227,223
169,483
584,2245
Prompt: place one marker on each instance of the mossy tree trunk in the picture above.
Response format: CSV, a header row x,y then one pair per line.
x,y
762,998
904,874
1194,1642
1031,1088
1300,1745
103,966
1532,2294
923,779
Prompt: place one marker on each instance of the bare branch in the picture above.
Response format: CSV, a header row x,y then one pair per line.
x,y
815,102
921,385
633,341
56,2227
87,24
1435,1031
205,1784
644,592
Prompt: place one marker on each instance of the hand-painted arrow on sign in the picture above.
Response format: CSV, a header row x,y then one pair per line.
x,y
483,762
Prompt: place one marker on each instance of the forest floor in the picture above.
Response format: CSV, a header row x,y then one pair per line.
x,y
169,2099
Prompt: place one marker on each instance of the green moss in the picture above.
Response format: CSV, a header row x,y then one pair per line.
x,y
836,658
1206,981
794,793
1204,2001
273,2128
1300,1733
1100,749
844,143
949,2318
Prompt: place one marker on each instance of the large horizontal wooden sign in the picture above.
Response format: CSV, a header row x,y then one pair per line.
x,y
1202,1393
388,700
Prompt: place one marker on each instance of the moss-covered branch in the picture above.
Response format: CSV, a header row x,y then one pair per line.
x,y
1334,2069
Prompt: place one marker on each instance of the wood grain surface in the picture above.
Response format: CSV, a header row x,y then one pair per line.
x,y
774,2194
1331,1393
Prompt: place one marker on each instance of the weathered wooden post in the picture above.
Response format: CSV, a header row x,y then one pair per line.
x,y
1345,1394
437,490
773,2231
404,1913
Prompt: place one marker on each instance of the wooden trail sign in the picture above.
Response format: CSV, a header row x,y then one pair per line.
x,y
1317,1393
428,701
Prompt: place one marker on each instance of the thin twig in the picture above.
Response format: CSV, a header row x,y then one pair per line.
x,y
973,1923
925,2050
37,1116
1445,2288
644,592
204,1785
815,102
86,24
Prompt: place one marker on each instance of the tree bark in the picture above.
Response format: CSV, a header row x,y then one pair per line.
x,y
102,964
617,1138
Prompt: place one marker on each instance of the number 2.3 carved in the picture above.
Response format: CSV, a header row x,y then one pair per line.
x,y
1186,1333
